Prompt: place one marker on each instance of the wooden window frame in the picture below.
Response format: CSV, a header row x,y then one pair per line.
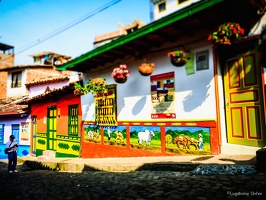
x,y
16,78
15,127
106,108
160,5
73,122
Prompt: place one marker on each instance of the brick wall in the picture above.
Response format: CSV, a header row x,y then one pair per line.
x,y
6,60
3,81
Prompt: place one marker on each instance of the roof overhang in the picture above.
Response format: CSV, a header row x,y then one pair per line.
x,y
195,22
51,95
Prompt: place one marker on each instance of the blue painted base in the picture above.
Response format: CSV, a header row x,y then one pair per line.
x,y
23,150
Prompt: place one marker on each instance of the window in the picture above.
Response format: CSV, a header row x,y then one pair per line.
x,y
105,108
162,6
202,60
15,131
1,133
73,120
181,1
16,79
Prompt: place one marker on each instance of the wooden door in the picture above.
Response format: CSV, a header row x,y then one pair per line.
x,y
244,100
51,128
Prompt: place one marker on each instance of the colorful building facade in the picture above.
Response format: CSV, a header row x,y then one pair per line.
x,y
210,104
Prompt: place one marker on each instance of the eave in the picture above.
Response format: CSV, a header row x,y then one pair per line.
x,y
196,22
53,95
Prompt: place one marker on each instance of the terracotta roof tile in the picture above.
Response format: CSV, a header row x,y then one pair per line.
x,y
10,106
48,80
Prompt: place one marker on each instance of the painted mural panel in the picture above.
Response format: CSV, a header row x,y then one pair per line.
x,y
92,133
188,140
145,138
25,131
116,136
162,96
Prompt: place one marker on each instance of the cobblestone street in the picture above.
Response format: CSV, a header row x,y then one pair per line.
x,y
141,185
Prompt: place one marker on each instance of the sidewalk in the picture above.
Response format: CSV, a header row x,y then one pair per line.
x,y
173,163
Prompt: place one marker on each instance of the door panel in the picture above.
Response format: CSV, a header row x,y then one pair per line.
x,y
51,124
244,100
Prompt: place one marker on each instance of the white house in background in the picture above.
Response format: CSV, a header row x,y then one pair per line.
x,y
162,8
15,119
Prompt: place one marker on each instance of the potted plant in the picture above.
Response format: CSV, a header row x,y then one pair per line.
x,y
120,74
146,69
95,86
178,58
226,34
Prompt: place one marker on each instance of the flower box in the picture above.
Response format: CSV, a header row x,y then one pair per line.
x,y
226,34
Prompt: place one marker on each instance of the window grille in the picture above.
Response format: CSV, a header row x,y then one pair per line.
x,y
73,120
106,108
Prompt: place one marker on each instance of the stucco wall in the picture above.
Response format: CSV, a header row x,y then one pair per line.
x,y
194,94
8,129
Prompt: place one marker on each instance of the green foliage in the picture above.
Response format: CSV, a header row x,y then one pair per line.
x,y
226,33
95,86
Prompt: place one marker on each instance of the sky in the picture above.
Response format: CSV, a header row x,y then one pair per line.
x,y
65,27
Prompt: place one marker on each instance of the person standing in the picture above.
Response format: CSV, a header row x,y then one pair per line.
x,y
11,147
200,141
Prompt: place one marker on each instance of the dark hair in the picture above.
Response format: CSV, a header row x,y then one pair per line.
x,y
12,136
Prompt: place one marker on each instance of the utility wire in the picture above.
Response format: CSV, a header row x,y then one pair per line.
x,y
60,30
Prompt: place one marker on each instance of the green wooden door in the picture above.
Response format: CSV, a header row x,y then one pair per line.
x,y
51,128
244,100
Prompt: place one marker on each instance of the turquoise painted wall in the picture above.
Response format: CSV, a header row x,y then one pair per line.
x,y
23,150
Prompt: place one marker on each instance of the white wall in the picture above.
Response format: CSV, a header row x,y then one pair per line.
x,y
194,94
16,91
40,89
8,129
171,6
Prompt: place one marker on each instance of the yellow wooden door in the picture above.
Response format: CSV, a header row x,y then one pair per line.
x,y
244,100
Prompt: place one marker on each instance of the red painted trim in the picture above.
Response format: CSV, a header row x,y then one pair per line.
x,y
188,123
217,134
240,121
163,142
128,136
162,76
214,141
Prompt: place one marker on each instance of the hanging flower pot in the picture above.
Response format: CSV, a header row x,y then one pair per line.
x,y
120,80
226,34
120,74
177,58
95,86
146,69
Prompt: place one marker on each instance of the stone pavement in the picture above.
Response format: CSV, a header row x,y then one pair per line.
x,y
142,178
172,163
151,178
